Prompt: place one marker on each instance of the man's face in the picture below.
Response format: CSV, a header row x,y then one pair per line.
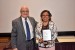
x,y
24,12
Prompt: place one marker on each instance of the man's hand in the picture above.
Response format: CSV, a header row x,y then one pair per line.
x,y
15,49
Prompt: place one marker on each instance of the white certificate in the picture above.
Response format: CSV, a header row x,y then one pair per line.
x,y
46,35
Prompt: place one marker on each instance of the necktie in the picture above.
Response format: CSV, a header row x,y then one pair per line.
x,y
27,30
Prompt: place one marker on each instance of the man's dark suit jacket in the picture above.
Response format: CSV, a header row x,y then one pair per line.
x,y
18,37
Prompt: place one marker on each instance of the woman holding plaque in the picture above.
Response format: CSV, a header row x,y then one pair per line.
x,y
46,32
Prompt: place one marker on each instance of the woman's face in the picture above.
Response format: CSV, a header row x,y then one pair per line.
x,y
45,17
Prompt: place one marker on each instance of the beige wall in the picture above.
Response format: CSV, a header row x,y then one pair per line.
x,y
63,12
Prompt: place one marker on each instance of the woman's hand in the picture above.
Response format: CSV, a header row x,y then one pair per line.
x,y
37,40
41,40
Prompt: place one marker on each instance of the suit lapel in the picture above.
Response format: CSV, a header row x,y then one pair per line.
x,y
31,22
33,25
21,27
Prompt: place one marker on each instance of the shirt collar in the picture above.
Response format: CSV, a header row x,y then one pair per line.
x,y
24,18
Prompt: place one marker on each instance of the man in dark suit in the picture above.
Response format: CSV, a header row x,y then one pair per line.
x,y
23,31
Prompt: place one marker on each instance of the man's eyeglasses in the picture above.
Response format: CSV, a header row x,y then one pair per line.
x,y
24,11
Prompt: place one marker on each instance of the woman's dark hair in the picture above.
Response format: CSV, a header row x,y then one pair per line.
x,y
50,15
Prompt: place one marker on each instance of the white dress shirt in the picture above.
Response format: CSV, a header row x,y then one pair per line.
x,y
30,27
